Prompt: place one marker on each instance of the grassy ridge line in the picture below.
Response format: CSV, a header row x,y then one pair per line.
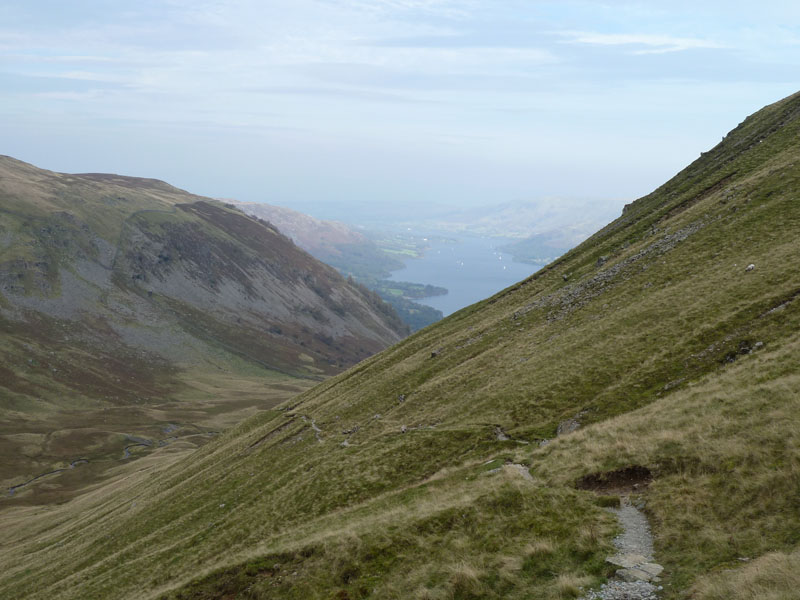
x,y
670,305
101,201
788,255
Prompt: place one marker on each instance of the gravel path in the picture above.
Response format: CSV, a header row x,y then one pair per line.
x,y
635,537
634,541
624,590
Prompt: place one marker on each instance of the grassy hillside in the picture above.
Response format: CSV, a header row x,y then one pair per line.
x,y
671,335
133,313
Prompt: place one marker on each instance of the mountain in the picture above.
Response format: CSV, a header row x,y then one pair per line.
x,y
567,222
542,248
332,242
474,459
119,292
353,254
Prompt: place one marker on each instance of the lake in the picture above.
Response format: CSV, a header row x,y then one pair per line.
x,y
470,267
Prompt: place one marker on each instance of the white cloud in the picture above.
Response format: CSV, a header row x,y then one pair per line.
x,y
454,9
654,43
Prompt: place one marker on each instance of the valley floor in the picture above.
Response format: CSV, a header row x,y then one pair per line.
x,y
53,457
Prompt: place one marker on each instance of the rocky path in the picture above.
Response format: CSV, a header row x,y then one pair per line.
x,y
638,576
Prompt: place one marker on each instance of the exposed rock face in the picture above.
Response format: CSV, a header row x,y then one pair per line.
x,y
251,283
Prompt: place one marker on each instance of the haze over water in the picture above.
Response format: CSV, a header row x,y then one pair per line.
x,y
471,268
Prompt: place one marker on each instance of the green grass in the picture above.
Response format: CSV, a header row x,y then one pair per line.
x,y
725,454
402,252
670,354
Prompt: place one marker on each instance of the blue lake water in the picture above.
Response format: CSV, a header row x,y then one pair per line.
x,y
471,268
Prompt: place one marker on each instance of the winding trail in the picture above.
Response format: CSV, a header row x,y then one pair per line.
x,y
635,537
637,579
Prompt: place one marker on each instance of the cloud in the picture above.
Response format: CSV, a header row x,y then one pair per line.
x,y
347,94
654,43
451,9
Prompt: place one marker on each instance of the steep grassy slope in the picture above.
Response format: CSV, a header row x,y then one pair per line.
x,y
119,296
388,481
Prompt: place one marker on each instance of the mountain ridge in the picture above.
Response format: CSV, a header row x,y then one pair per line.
x,y
119,293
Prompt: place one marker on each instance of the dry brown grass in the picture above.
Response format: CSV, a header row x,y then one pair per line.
x,y
569,585
774,576
725,453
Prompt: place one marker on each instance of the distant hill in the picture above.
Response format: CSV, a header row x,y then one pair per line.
x,y
570,220
352,253
541,248
113,289
330,241
657,361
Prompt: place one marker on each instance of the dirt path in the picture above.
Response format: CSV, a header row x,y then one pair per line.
x,y
637,576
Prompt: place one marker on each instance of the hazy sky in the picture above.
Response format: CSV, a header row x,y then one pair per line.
x,y
304,101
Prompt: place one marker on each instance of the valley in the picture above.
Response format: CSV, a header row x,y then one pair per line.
x,y
101,439
655,363
469,267
422,272
399,300
368,257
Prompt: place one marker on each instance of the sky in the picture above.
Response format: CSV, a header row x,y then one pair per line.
x,y
352,104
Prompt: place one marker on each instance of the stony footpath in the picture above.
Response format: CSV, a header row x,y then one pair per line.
x,y
638,575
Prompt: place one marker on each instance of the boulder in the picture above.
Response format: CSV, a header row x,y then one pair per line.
x,y
567,426
633,574
627,561
644,572
653,569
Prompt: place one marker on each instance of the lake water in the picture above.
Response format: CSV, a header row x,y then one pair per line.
x,y
471,268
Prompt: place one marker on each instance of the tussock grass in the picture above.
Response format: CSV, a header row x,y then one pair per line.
x,y
725,453
774,576
571,586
